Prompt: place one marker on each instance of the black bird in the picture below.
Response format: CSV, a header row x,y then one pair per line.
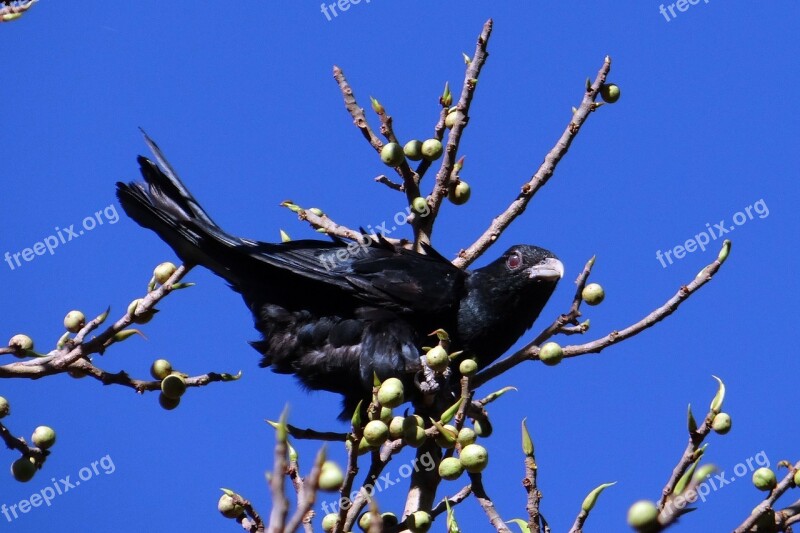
x,y
334,313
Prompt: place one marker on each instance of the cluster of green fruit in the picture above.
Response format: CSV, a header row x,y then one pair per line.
x,y
472,458
393,155
388,520
43,437
173,384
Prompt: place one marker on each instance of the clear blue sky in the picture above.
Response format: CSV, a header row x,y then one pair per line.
x,y
240,96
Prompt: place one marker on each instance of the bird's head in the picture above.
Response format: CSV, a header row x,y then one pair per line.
x,y
505,297
524,267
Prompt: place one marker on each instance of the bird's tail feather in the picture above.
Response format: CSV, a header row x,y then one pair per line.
x,y
166,206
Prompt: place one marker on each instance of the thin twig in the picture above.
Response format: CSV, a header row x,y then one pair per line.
x,y
60,360
540,178
280,504
453,500
487,504
424,228
306,493
531,351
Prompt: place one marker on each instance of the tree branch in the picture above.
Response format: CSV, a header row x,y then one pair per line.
x,y
540,178
531,351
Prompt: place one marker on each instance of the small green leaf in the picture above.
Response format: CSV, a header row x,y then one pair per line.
x,y
523,525
591,498
527,442
719,398
447,435
376,106
282,431
356,420
448,415
684,480
441,334
103,316
723,253
182,285
63,340
285,236
229,377
691,421
495,395
126,333
704,471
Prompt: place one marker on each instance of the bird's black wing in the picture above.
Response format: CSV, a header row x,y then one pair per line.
x,y
379,275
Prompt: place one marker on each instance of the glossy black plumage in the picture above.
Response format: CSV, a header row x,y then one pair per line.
x,y
334,313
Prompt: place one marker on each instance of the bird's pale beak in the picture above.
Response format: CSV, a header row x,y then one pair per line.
x,y
551,269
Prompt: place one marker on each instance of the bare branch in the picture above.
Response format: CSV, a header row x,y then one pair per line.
x,y
487,504
531,351
540,178
424,228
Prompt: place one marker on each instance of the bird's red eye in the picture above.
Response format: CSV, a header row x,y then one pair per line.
x,y
514,261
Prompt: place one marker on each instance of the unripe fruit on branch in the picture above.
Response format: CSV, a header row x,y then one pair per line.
x,y
329,522
392,154
21,343
609,92
459,193
168,403
436,359
228,507
474,458
164,271
420,205
721,423
23,469
160,369
396,427
376,432
450,468
173,386
330,477
43,437
551,354
432,149
5,407
390,393
74,321
413,150
643,515
466,436
764,479
593,294
418,522
468,367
